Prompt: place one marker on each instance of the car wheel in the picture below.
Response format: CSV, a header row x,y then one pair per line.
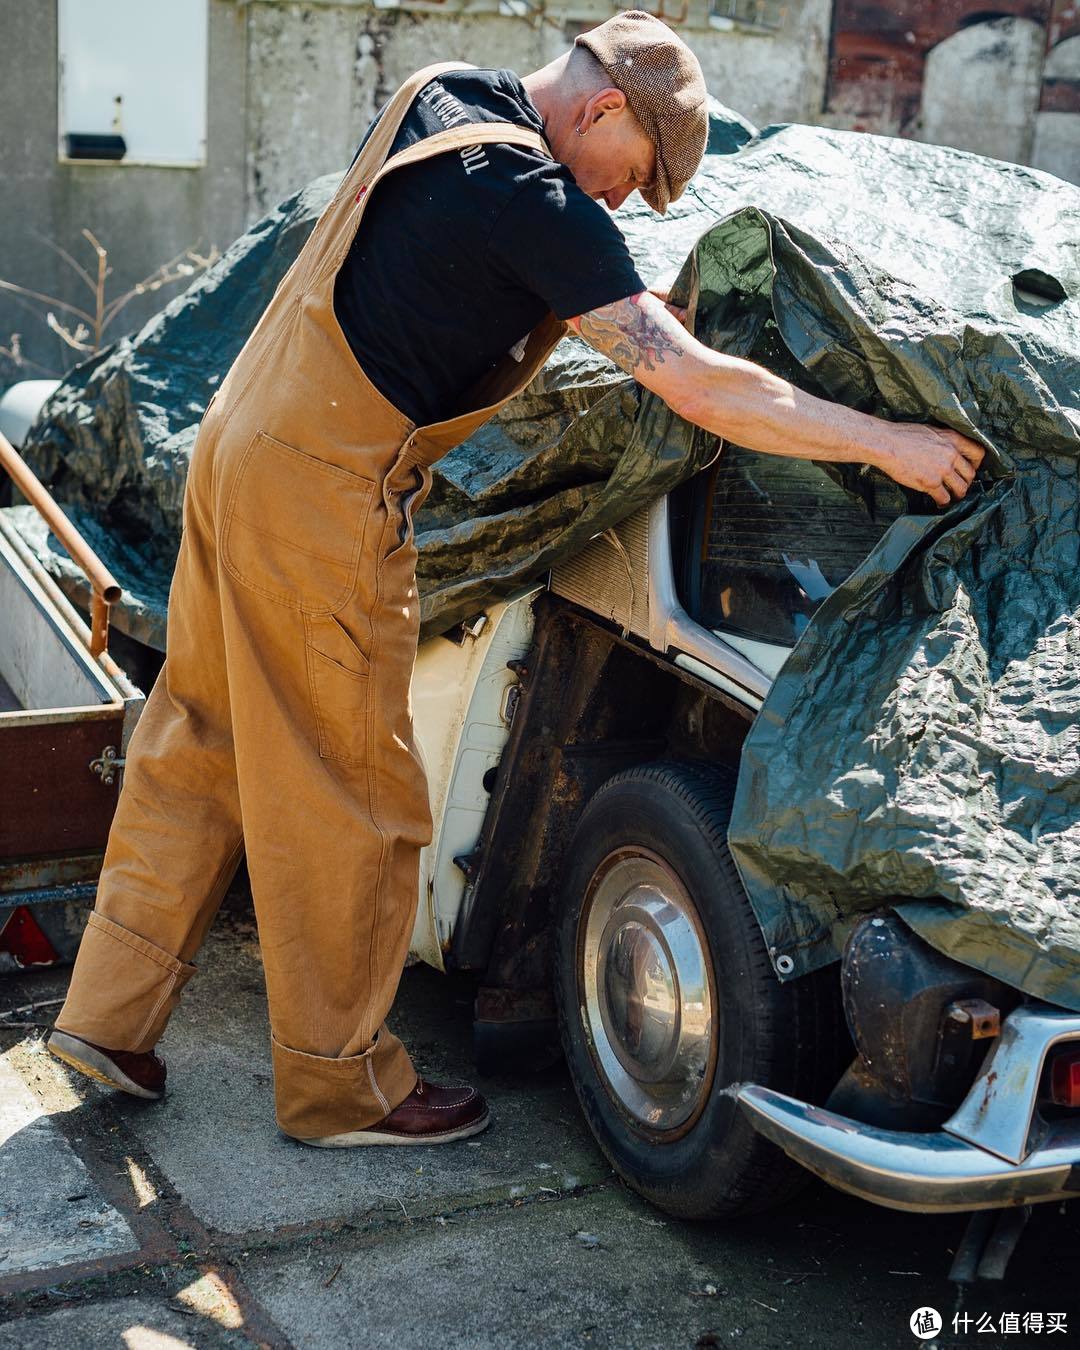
x,y
667,998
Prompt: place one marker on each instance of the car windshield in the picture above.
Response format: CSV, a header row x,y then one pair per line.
x,y
776,536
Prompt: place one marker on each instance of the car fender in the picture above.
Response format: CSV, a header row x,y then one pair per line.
x,y
461,719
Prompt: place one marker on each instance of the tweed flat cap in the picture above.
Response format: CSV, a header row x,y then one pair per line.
x,y
665,89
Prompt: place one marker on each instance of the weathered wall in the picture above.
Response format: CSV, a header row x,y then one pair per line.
x,y
1001,77
143,215
292,87
311,92
1057,124
318,71
981,87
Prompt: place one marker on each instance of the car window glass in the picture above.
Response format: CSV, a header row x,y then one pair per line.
x,y
777,536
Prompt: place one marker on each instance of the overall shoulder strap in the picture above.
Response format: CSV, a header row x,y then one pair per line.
x,y
462,138
382,138
349,206
329,241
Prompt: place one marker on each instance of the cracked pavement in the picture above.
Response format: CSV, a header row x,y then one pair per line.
x,y
194,1222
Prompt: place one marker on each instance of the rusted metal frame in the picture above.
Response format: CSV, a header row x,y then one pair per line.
x,y
91,712
545,777
123,695
106,589
37,887
107,701
73,893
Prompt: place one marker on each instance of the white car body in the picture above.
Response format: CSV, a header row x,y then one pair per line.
x,y
462,692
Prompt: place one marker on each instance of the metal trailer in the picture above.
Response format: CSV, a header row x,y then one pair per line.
x,y
67,711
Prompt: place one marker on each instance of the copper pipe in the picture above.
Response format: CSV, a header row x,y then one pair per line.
x,y
65,608
105,586
99,625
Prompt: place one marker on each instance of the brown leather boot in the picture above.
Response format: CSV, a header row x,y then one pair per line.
x,y
428,1115
142,1075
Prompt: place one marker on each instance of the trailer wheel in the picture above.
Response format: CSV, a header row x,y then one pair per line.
x,y
667,998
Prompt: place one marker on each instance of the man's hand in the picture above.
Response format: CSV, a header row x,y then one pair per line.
x,y
932,460
748,405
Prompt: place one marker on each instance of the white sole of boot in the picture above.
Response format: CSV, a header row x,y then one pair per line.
x,y
365,1138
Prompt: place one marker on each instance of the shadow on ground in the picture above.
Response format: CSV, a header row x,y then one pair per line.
x,y
193,1222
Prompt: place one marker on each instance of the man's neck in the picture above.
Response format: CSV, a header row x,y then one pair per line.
x,y
546,88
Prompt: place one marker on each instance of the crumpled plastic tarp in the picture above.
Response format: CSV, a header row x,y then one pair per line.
x,y
921,747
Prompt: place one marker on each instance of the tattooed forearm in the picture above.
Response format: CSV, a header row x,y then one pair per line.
x,y
629,334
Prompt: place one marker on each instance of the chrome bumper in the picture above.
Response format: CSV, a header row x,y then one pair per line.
x,y
994,1151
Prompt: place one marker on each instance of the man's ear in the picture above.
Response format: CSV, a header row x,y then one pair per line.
x,y
609,100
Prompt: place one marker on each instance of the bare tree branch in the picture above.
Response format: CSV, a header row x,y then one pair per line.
x,y
72,262
76,339
46,299
93,325
16,354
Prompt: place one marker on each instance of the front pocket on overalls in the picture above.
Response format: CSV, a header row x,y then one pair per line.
x,y
293,527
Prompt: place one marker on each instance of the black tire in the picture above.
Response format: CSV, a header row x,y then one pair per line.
x,y
790,1037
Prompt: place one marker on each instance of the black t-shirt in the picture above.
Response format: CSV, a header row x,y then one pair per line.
x,y
459,256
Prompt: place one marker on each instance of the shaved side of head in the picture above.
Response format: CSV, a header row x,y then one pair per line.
x,y
584,75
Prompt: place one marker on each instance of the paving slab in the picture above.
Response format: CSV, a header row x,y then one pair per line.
x,y
215,1138
118,1324
599,1270
826,1271
606,1270
51,1211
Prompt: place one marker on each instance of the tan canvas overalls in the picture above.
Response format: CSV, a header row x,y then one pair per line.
x,y
281,721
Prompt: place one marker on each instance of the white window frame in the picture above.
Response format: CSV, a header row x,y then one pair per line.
x,y
137,160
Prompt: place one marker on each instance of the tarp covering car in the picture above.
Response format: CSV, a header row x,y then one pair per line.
x,y
922,745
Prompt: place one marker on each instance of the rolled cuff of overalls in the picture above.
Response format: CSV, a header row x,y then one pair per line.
x,y
123,988
317,1096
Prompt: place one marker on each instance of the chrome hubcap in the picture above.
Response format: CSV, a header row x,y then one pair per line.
x,y
647,995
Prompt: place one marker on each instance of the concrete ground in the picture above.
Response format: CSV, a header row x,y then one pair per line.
x,y
193,1222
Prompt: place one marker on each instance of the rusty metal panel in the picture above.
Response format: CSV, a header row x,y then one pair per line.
x,y
50,799
29,874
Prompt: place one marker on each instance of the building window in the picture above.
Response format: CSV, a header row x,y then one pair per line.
x,y
760,15
132,81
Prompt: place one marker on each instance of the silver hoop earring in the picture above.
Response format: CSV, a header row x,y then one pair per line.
x,y
580,132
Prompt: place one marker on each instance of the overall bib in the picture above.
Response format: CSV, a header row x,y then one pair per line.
x,y
280,724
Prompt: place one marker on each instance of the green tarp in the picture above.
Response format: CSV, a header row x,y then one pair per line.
x,y
921,746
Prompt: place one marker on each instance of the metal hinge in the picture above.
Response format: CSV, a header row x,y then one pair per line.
x,y
109,766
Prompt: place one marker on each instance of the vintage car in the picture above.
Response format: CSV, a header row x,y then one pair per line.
x,y
582,741
583,744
